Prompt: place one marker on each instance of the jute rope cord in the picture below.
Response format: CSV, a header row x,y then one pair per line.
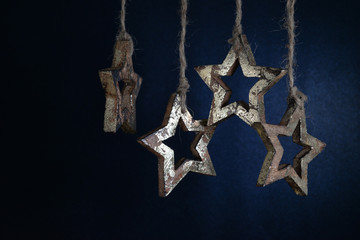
x,y
183,87
123,34
290,25
237,29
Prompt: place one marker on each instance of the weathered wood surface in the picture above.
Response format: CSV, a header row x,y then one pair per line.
x,y
292,124
121,85
251,112
170,174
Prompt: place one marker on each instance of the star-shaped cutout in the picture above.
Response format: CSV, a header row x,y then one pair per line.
x,y
170,174
120,103
292,124
255,110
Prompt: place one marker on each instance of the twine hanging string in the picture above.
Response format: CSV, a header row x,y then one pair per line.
x,y
183,81
123,34
290,25
122,16
237,30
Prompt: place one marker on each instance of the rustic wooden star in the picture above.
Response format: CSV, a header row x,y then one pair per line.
x,y
255,110
170,174
292,124
120,100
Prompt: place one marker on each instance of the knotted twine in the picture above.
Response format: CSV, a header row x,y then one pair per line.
x,y
183,81
290,25
237,29
123,34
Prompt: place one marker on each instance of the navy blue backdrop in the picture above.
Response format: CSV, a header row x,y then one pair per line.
x,y
87,184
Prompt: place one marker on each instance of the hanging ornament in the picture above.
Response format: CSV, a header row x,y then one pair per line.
x,y
121,84
255,110
241,55
170,174
292,124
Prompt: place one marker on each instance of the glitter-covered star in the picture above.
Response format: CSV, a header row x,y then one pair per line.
x,y
292,124
170,174
120,103
255,110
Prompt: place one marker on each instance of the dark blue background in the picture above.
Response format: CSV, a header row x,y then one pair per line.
x,y
67,179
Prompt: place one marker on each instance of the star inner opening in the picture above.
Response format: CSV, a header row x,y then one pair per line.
x,y
240,87
121,85
181,144
292,153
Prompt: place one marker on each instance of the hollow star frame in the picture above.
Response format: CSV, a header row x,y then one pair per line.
x,y
170,174
211,75
292,124
120,106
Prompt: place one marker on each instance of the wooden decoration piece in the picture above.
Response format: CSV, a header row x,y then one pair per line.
x,y
252,112
292,124
170,174
120,106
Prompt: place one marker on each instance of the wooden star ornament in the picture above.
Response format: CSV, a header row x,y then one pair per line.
x,y
292,124
252,112
121,85
170,174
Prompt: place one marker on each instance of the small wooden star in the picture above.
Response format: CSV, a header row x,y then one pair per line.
x,y
292,124
255,110
170,174
120,109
